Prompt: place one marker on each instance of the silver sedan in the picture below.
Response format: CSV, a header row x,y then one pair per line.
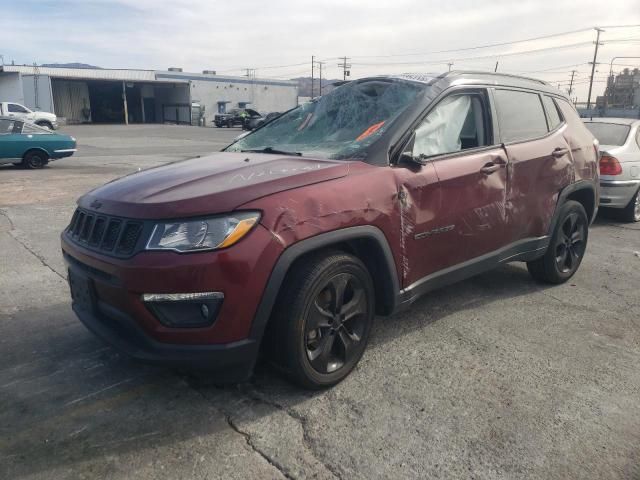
x,y
619,164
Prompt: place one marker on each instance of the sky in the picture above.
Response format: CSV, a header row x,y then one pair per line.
x,y
278,37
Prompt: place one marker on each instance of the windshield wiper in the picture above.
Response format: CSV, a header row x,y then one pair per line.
x,y
271,150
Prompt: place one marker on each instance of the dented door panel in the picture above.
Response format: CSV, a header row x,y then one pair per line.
x,y
473,204
417,211
536,177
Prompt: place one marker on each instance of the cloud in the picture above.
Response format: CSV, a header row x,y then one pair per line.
x,y
228,36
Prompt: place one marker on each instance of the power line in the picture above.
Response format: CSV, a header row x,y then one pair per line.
x,y
490,45
500,55
345,68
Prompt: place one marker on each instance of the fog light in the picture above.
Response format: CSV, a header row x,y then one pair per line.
x,y
184,310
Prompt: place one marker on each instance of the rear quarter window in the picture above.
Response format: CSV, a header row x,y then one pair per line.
x,y
609,133
520,115
553,116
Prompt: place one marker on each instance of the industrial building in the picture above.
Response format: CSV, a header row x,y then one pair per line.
x,y
623,90
96,95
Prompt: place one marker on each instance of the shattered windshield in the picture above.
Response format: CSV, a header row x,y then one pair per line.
x,y
339,125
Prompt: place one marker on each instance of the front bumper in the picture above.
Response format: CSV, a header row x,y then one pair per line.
x,y
118,314
617,193
232,361
63,153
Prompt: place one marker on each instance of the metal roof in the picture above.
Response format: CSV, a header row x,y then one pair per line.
x,y
164,76
84,73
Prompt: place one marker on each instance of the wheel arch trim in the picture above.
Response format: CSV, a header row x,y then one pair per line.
x,y
36,149
566,192
298,249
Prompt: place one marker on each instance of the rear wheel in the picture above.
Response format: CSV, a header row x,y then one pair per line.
x,y
35,159
631,213
323,319
568,245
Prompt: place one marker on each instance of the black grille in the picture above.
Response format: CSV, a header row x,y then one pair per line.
x,y
104,233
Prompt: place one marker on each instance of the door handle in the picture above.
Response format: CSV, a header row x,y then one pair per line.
x,y
559,152
489,168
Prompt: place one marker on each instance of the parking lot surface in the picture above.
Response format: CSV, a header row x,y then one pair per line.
x,y
495,377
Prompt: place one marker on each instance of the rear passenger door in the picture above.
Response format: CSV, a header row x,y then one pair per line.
x,y
539,160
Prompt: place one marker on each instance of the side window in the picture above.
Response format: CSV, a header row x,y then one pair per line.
x,y
34,130
12,107
6,126
553,116
520,115
459,122
569,113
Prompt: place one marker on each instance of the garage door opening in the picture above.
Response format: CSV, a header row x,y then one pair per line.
x,y
106,101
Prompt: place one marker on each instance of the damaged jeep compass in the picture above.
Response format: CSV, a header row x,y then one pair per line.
x,y
294,237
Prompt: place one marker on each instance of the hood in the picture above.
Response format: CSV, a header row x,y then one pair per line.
x,y
45,115
213,184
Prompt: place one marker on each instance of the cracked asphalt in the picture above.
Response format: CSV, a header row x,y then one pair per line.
x,y
493,378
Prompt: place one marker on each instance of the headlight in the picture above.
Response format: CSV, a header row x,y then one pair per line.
x,y
202,234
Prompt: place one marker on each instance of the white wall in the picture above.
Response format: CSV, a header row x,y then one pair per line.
x,y
11,88
39,85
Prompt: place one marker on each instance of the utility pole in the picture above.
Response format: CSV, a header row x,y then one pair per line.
x,y
573,72
313,64
320,70
593,65
496,69
450,65
345,68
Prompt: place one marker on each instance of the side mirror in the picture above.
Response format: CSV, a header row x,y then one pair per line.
x,y
407,151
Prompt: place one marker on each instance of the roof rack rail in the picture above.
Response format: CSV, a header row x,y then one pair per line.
x,y
496,74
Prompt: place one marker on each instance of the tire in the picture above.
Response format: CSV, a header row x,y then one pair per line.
x,y
35,159
229,123
45,125
315,347
567,247
631,213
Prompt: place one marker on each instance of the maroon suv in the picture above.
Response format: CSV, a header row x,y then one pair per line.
x,y
348,206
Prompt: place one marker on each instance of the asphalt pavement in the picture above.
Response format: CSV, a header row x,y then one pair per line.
x,y
496,377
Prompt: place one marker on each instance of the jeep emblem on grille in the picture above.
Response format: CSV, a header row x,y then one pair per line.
x,y
96,204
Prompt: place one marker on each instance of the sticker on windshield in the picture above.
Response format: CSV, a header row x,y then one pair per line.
x,y
370,131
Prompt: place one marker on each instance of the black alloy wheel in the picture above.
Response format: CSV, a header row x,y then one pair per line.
x,y
322,319
570,244
567,246
335,323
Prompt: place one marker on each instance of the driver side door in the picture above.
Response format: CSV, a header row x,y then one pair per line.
x,y
456,140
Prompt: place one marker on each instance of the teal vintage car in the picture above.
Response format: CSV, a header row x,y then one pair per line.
x,y
31,146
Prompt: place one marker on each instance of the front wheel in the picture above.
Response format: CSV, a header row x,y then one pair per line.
x,y
35,159
46,125
323,319
567,247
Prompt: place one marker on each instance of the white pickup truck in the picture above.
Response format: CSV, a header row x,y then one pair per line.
x,y
20,112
